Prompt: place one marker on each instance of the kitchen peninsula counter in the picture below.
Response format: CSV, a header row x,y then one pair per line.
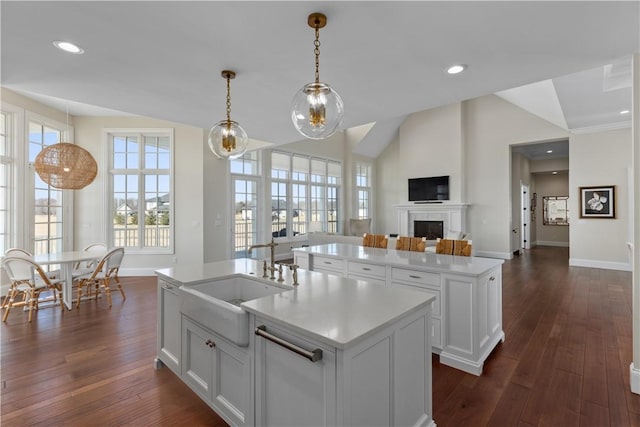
x,y
467,312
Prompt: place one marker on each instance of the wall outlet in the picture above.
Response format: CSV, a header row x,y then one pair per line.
x,y
175,259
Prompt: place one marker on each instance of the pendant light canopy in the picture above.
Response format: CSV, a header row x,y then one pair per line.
x,y
66,166
227,139
317,110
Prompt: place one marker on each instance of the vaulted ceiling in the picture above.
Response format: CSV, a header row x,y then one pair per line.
x,y
163,59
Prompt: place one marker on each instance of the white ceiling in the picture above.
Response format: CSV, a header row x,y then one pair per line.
x,y
386,59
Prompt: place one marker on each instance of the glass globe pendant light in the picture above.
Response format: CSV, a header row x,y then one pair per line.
x,y
317,110
227,139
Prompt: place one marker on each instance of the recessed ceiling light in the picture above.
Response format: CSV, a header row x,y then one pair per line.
x,y
455,69
68,47
549,151
624,112
555,173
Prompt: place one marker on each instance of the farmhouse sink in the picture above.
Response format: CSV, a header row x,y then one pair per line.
x,y
216,304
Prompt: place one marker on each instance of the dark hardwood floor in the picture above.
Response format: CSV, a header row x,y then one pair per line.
x,y
565,361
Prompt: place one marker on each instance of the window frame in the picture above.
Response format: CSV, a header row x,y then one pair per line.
x,y
366,189
309,184
256,178
28,178
141,172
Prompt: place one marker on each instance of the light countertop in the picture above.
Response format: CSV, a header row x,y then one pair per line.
x,y
331,309
426,261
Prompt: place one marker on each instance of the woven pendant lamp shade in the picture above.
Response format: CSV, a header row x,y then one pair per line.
x,y
66,166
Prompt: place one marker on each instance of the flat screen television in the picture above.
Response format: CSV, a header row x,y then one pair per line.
x,y
429,189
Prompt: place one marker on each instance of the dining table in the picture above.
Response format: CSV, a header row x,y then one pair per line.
x,y
67,260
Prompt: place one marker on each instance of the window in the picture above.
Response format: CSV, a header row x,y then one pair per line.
x,y
304,194
48,221
140,184
363,189
245,180
6,168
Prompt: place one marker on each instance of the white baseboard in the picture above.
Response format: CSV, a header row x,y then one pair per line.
x,y
606,265
634,379
492,254
550,243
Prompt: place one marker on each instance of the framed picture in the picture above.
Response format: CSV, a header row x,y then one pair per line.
x,y
598,202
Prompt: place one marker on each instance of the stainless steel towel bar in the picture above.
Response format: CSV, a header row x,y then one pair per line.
x,y
313,355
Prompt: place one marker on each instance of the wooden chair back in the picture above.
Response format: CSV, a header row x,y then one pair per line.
x,y
415,244
375,241
454,247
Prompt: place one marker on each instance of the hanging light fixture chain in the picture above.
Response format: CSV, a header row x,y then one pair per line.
x,y
228,99
316,43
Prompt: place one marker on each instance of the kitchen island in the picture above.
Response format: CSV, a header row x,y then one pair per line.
x,y
331,351
467,312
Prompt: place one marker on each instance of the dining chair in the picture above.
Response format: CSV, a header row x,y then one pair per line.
x,y
22,274
84,268
454,247
22,253
104,273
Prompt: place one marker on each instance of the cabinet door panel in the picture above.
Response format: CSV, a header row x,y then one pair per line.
x,y
196,359
290,389
169,326
231,386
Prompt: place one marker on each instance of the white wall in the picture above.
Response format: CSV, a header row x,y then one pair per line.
x,y
390,189
551,185
431,145
470,142
91,216
597,159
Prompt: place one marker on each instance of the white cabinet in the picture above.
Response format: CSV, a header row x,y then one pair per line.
x,y
327,265
472,311
467,311
301,259
384,379
169,329
291,389
372,273
218,371
428,283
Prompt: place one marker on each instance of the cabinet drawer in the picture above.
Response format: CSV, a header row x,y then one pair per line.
x,y
418,277
435,308
362,268
380,282
327,263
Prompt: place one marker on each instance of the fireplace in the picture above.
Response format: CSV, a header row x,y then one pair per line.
x,y
431,230
452,215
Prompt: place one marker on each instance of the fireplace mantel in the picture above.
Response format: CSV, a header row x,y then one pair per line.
x,y
453,215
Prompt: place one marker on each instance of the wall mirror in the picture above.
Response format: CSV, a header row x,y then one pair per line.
x,y
556,210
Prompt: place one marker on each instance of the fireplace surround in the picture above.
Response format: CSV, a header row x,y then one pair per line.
x,y
453,216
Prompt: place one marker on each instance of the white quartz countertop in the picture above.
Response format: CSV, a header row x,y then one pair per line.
x,y
426,261
331,309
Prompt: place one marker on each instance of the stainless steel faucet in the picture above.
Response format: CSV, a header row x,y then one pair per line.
x,y
272,246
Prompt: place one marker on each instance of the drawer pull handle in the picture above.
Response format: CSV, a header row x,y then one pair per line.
x,y
210,343
492,278
313,355
415,277
366,268
167,287
327,262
